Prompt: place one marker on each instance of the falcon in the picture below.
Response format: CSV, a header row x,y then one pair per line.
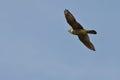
x,y
77,29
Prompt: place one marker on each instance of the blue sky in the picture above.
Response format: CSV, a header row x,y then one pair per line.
x,y
35,43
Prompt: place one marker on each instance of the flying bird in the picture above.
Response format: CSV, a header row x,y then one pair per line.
x,y
77,29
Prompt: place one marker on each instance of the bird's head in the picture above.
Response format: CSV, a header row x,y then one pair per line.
x,y
70,31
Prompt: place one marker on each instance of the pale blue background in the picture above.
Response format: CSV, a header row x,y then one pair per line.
x,y
35,43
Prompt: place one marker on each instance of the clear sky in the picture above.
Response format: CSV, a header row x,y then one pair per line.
x,y
35,43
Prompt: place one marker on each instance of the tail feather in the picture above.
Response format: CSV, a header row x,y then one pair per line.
x,y
91,32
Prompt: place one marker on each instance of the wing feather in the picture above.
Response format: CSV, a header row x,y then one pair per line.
x,y
86,41
71,20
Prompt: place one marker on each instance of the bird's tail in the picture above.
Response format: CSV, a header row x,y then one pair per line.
x,y
91,32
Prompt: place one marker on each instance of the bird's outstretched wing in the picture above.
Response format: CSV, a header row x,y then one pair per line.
x,y
86,41
71,20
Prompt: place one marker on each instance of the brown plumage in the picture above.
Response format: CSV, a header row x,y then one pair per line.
x,y
78,30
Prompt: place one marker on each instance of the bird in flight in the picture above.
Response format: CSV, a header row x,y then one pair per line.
x,y
77,29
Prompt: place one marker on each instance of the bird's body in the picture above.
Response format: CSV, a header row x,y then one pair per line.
x,y
78,30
